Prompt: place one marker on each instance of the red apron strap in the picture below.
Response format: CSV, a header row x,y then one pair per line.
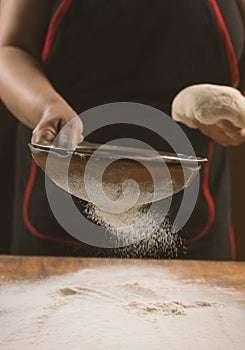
x,y
235,75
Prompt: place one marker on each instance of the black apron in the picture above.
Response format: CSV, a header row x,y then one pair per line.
x,y
141,51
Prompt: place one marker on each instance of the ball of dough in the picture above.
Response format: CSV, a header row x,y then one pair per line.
x,y
209,104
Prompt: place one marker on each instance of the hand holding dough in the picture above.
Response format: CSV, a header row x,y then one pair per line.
x,y
209,104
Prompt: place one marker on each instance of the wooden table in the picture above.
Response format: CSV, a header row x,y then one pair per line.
x,y
137,304
224,274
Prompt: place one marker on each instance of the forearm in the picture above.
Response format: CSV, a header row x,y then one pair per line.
x,y
24,88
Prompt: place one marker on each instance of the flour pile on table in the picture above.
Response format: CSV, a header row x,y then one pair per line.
x,y
119,308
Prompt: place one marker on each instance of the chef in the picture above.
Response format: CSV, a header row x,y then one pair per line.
x,y
59,58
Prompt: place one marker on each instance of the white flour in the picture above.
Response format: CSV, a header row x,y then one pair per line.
x,y
120,309
141,232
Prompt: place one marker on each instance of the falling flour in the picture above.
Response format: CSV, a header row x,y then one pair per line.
x,y
139,232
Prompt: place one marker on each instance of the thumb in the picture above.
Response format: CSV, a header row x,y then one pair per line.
x,y
43,135
70,134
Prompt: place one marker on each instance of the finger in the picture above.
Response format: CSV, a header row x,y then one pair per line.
x,y
235,133
228,124
229,129
43,136
70,134
217,134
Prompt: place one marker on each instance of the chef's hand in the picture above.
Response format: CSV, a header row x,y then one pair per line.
x,y
59,124
217,111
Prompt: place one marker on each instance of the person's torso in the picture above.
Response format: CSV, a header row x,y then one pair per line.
x,y
144,51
